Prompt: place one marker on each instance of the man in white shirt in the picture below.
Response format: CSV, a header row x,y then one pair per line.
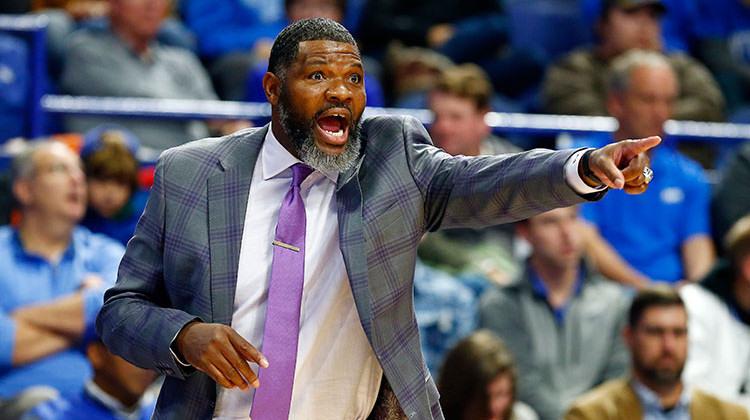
x,y
199,260
719,321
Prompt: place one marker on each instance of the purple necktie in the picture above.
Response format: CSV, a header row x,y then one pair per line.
x,y
281,332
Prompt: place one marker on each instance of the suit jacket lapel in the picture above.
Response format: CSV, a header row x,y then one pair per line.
x,y
701,408
352,241
629,407
227,203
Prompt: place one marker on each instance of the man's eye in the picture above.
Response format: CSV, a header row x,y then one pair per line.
x,y
317,76
355,78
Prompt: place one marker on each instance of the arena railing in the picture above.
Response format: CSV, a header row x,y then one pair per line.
x,y
32,26
727,135
499,121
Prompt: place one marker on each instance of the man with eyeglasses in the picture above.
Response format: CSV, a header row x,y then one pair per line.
x,y
52,279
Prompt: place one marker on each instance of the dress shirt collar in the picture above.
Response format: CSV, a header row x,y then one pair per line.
x,y
541,289
17,246
651,403
96,394
275,159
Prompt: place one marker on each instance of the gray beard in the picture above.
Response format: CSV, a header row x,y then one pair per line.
x,y
303,139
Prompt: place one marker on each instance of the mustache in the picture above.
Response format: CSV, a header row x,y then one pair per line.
x,y
332,106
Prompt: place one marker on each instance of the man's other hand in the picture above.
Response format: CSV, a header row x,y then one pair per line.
x,y
621,165
221,353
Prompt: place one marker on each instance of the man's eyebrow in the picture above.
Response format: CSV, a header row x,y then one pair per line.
x,y
317,61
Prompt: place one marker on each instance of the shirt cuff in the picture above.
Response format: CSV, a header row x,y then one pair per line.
x,y
172,349
573,178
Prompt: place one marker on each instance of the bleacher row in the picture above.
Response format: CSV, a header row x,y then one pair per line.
x,y
446,297
26,109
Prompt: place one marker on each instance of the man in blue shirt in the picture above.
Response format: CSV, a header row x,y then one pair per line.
x,y
664,233
52,275
116,392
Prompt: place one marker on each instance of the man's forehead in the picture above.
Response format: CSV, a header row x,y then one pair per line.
x,y
54,152
653,80
660,315
327,50
559,213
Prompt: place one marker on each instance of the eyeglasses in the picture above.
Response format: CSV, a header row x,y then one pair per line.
x,y
58,168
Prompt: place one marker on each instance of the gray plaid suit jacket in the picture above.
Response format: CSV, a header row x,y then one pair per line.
x,y
182,262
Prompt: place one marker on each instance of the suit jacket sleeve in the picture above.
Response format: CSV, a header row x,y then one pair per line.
x,y
136,321
480,191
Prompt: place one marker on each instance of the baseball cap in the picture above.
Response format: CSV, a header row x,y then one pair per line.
x,y
92,139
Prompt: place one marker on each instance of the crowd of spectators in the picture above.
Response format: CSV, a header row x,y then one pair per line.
x,y
650,315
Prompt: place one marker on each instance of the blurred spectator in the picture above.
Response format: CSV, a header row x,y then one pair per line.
x,y
65,16
77,9
560,319
418,23
52,276
463,31
460,102
722,41
234,25
478,381
446,311
126,60
609,262
114,393
656,335
731,196
301,9
233,35
664,232
411,73
677,21
577,83
719,322
115,199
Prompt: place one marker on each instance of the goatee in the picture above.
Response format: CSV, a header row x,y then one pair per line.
x,y
301,134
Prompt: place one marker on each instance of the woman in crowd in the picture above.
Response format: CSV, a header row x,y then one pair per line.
x,y
478,381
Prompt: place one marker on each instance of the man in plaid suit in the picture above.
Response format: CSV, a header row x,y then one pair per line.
x,y
192,289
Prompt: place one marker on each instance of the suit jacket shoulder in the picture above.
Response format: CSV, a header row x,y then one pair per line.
x,y
705,406
612,400
617,400
209,151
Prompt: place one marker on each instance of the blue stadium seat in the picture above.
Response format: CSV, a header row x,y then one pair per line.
x,y
14,86
554,26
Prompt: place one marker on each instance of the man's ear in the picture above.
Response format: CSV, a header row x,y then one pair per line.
x,y
744,265
272,88
522,229
614,104
22,191
97,355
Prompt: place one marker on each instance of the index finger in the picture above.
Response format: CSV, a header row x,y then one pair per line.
x,y
247,350
639,146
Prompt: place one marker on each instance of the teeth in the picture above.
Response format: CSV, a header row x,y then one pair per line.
x,y
336,133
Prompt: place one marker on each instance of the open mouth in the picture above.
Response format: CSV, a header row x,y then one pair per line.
x,y
74,197
334,125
